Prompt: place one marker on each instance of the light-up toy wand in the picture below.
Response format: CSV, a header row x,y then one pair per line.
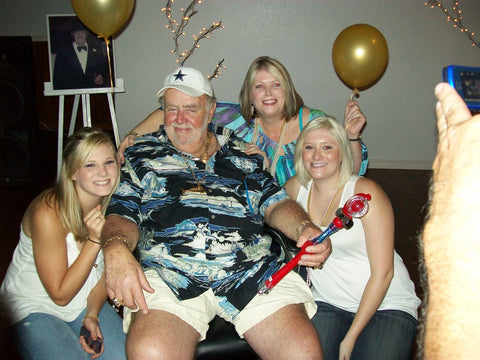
x,y
355,207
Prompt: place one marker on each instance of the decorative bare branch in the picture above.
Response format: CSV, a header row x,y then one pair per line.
x,y
456,18
203,35
168,13
187,15
216,72
178,30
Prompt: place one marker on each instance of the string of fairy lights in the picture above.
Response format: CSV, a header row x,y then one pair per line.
x,y
455,17
178,30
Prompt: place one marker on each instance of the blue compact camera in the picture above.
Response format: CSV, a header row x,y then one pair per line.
x,y
466,80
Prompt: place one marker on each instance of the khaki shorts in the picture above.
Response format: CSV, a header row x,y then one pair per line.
x,y
199,311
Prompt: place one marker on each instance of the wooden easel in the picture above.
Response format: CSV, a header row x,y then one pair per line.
x,y
83,94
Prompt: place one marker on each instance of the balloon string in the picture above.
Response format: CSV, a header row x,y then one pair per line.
x,y
355,93
107,42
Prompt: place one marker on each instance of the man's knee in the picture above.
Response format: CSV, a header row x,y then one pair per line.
x,y
292,325
138,348
160,335
142,345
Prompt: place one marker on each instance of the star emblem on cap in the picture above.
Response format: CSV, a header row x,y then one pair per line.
x,y
179,75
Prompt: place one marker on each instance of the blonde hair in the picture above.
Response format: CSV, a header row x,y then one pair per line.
x,y
340,135
78,148
293,101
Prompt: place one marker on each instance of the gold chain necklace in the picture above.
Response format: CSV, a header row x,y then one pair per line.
x,y
196,189
199,188
309,201
206,156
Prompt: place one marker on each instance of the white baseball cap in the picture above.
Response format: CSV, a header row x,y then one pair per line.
x,y
189,81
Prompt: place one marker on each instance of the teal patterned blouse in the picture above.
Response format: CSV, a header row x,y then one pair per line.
x,y
228,115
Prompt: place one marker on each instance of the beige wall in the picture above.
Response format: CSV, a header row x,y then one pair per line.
x,y
401,125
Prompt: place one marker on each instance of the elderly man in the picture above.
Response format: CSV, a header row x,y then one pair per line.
x,y
195,205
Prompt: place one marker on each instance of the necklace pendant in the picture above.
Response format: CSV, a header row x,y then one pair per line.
x,y
199,189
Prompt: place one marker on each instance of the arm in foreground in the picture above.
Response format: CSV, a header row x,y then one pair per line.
x,y
451,232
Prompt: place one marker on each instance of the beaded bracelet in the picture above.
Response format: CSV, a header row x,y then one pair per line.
x,y
356,139
91,315
117,237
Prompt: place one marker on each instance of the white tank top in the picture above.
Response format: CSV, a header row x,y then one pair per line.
x,y
344,275
22,292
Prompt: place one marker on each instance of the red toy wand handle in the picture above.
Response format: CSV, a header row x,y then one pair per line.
x,y
356,206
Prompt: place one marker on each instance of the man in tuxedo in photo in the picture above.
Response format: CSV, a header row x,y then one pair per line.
x,y
80,64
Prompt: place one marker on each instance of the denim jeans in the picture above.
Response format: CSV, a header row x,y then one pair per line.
x,y
389,335
41,336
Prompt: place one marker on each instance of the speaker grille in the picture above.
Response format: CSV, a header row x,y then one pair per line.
x,y
12,104
15,159
18,118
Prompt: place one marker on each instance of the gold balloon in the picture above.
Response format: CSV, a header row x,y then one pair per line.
x,y
103,17
360,56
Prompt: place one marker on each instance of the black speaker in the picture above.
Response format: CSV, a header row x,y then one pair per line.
x,y
18,116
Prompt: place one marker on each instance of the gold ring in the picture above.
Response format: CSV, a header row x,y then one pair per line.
x,y
117,302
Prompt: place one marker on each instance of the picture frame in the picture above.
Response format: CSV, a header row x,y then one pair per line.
x,y
78,57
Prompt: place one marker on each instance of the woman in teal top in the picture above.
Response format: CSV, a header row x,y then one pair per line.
x,y
228,115
276,114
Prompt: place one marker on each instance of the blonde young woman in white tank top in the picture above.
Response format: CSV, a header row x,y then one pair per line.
x,y
55,282
367,306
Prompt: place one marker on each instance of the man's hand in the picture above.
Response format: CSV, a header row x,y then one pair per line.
x,y
124,277
317,254
127,141
99,79
254,149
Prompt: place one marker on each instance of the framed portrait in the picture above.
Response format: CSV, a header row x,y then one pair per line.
x,y
78,58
